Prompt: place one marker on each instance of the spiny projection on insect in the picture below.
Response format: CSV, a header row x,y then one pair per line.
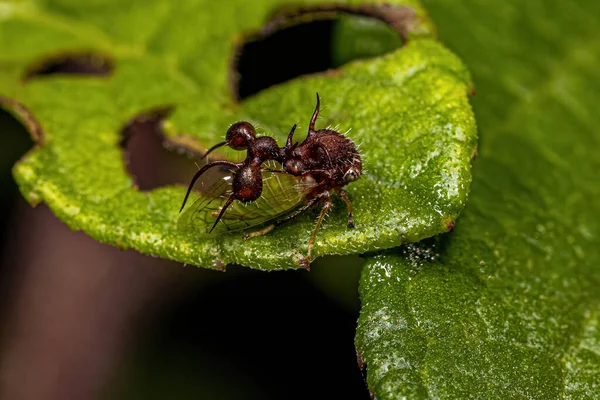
x,y
304,177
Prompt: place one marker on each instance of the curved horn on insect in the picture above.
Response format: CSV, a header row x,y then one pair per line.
x,y
202,171
313,120
216,146
290,138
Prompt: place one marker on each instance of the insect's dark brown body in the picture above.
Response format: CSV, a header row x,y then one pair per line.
x,y
326,157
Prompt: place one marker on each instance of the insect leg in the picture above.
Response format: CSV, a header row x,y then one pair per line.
x,y
311,127
344,197
203,170
262,232
299,211
277,171
328,204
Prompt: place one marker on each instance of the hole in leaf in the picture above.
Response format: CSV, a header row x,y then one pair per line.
x,y
154,161
91,64
288,53
147,159
277,55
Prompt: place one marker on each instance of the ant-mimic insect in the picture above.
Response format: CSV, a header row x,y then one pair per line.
x,y
325,161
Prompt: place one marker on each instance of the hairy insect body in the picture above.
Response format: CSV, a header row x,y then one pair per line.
x,y
325,161
265,148
331,157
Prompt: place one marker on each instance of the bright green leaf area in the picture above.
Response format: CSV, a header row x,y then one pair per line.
x,y
507,306
408,110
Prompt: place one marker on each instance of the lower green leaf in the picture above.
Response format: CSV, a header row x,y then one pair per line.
x,y
507,305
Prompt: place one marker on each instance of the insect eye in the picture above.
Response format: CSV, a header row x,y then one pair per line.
x,y
350,175
239,135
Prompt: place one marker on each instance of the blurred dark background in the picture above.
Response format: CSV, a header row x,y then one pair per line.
x,y
85,320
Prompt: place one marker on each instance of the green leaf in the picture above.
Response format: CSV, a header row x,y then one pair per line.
x,y
408,109
506,306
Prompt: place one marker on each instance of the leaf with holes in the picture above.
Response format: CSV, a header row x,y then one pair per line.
x,y
507,306
172,62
